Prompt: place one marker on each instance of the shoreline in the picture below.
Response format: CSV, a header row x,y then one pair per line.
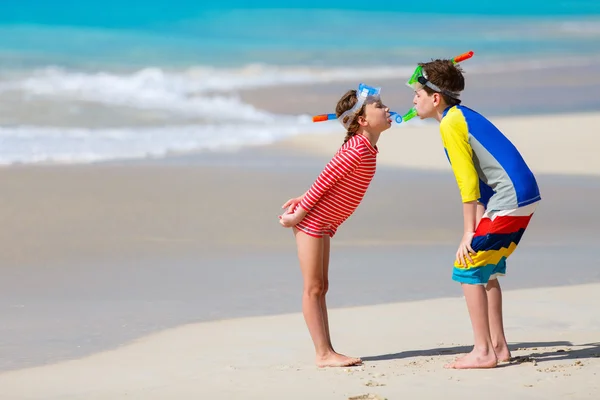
x,y
549,329
557,144
542,140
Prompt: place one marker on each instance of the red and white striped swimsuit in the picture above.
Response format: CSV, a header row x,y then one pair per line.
x,y
339,189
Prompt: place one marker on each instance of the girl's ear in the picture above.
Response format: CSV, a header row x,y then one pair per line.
x,y
362,121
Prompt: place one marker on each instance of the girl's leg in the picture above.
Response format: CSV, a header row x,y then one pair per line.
x,y
310,255
494,296
326,253
326,256
482,355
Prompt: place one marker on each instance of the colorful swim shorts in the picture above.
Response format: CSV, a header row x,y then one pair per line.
x,y
496,237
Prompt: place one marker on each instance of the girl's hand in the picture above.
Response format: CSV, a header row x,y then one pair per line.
x,y
288,220
291,204
465,250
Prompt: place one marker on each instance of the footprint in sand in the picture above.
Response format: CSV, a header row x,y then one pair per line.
x,y
368,396
373,384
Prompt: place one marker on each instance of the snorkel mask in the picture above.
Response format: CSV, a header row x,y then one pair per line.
x,y
419,80
365,95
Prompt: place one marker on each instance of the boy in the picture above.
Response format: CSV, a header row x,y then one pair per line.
x,y
499,195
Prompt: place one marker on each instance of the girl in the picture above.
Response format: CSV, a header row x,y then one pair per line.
x,y
335,195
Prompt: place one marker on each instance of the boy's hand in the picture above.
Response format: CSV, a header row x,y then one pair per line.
x,y
291,204
465,250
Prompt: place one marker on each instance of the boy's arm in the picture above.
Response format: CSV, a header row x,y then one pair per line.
x,y
470,216
463,254
340,165
455,136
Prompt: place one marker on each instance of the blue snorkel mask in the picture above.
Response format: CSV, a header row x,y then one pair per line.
x,y
365,95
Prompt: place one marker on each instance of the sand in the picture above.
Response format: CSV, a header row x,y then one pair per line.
x,y
553,335
109,269
550,144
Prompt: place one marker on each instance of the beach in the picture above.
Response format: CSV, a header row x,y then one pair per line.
x,y
404,348
145,153
177,271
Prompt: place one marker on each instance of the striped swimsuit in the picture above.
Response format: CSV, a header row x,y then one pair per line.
x,y
488,168
339,189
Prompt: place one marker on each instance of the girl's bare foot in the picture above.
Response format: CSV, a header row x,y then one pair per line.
x,y
474,360
337,360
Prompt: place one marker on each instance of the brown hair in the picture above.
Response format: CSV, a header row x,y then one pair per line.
x,y
447,76
346,103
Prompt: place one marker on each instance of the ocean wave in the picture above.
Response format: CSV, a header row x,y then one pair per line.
x,y
585,29
34,144
209,92
200,92
151,82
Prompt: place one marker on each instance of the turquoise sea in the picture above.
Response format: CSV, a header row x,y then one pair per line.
x,y
95,80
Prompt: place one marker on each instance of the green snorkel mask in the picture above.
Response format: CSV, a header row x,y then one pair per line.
x,y
418,80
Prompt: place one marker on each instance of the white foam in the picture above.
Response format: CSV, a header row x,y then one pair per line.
x,y
32,144
210,92
198,92
201,92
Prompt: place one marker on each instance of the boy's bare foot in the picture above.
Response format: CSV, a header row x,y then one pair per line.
x,y
337,360
502,353
474,360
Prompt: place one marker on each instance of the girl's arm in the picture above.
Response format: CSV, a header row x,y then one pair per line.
x,y
292,203
344,162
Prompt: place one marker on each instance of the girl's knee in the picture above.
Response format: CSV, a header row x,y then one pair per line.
x,y
316,289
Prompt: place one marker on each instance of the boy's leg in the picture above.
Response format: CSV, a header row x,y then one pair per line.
x,y
494,298
310,255
482,355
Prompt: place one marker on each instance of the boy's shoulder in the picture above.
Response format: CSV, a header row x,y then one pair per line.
x,y
453,117
463,116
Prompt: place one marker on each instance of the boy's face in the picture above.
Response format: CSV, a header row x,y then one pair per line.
x,y
377,116
426,103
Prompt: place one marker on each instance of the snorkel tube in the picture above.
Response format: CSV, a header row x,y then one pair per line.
x,y
410,114
397,118
462,57
364,94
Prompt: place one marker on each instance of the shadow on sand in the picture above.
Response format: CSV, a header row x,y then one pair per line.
x,y
541,352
